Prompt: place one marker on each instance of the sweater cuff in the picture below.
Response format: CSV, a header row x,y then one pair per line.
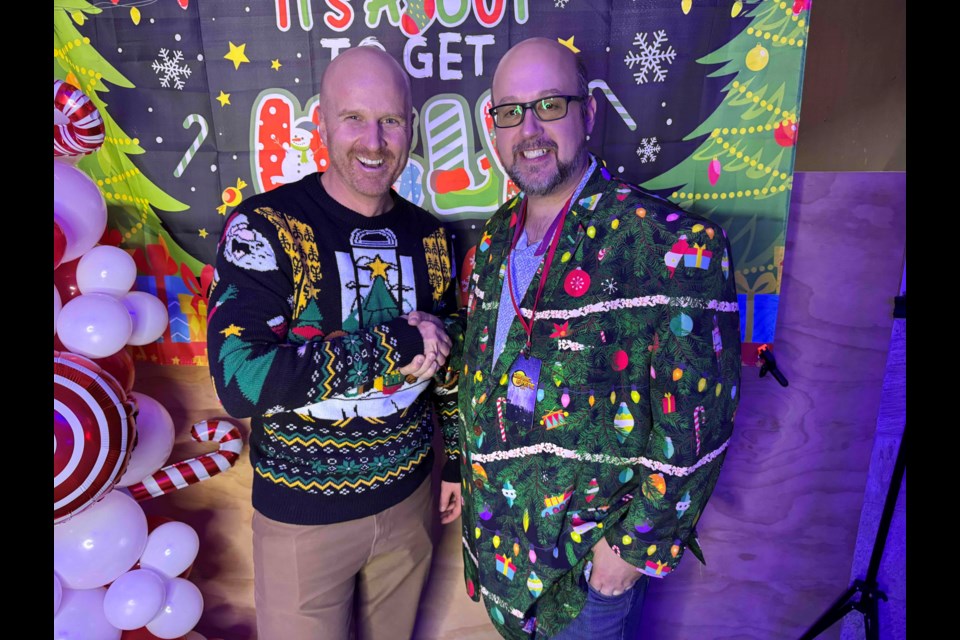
x,y
409,340
451,470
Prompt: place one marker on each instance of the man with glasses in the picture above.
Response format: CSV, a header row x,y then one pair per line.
x,y
597,417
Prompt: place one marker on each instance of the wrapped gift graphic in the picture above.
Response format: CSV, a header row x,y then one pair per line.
x,y
656,569
669,403
758,301
505,566
554,419
697,256
677,253
196,317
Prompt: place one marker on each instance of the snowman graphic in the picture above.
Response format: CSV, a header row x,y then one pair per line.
x,y
298,160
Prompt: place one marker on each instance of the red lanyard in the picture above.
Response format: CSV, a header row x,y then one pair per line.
x,y
555,229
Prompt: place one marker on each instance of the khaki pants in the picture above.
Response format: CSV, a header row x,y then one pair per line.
x,y
306,577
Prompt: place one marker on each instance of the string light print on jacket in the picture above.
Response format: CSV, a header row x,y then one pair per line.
x,y
383,283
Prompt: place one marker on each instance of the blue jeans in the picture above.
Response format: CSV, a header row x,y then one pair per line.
x,y
608,617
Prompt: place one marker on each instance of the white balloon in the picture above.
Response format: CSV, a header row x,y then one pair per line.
x,y
81,617
171,549
79,209
180,612
193,635
95,325
101,543
155,435
149,316
106,269
57,593
57,305
134,599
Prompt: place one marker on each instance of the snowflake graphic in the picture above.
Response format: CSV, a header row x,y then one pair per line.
x,y
560,3
170,68
648,149
650,57
610,286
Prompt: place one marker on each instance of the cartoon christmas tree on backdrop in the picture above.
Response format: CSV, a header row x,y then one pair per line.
x,y
742,174
130,195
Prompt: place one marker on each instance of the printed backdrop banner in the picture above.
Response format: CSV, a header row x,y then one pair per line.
x,y
207,102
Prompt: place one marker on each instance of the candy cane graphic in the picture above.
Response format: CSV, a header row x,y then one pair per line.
x,y
615,101
500,403
83,133
183,474
188,156
697,417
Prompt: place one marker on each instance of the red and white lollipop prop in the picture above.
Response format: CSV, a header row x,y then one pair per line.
x,y
83,132
93,433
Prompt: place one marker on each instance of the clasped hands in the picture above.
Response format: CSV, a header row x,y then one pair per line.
x,y
436,345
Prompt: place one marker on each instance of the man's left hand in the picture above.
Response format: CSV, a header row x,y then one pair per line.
x,y
610,575
449,501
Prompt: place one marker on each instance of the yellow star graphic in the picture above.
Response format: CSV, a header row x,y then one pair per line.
x,y
175,360
232,330
275,64
203,233
223,98
378,268
568,43
236,55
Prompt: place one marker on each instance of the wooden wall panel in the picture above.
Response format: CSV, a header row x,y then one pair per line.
x,y
780,531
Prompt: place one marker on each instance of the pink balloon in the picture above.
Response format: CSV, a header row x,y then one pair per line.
x,y
155,435
180,612
95,325
81,616
100,544
79,209
106,269
134,599
149,316
171,549
57,594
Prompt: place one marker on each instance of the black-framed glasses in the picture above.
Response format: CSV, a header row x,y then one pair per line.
x,y
547,109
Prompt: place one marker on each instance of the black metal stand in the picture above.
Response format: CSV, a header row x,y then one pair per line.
x,y
867,589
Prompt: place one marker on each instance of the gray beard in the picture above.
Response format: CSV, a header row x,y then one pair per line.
x,y
565,170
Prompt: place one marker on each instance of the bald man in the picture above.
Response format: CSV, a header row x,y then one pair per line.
x,y
595,427
325,328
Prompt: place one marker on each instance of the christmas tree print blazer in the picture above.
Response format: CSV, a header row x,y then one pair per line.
x,y
639,335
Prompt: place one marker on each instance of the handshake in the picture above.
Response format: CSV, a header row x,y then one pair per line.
x,y
436,345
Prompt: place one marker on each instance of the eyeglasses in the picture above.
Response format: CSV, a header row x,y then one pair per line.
x,y
547,109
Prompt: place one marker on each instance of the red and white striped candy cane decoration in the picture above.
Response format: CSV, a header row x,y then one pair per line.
x,y
697,416
503,432
183,474
84,132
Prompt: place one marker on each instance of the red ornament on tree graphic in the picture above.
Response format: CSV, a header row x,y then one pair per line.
x,y
620,360
786,133
577,282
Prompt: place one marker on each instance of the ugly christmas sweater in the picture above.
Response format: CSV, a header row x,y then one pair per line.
x,y
305,336
638,336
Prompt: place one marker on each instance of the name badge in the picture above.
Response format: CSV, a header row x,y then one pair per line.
x,y
522,384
